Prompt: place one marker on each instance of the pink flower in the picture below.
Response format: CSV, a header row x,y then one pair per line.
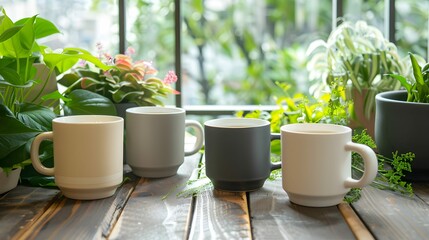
x,y
170,78
130,51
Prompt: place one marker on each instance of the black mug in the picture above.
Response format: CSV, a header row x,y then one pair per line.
x,y
238,153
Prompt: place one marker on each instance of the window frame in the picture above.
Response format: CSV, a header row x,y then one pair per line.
x,y
337,11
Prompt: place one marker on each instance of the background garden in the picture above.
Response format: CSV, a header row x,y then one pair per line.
x,y
233,52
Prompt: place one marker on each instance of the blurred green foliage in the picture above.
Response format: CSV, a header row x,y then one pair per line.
x,y
233,52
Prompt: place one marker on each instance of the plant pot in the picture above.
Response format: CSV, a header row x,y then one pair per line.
x,y
359,120
121,108
9,181
403,126
42,74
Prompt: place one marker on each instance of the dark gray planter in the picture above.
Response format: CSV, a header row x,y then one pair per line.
x,y
404,127
121,108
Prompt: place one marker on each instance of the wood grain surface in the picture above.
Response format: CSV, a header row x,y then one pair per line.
x,y
275,217
150,209
154,211
221,215
390,215
22,206
422,191
74,219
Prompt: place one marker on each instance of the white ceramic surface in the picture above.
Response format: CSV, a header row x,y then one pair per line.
x,y
88,155
9,181
316,162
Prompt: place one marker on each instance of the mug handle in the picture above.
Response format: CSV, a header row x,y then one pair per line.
x,y
370,165
278,165
199,134
34,154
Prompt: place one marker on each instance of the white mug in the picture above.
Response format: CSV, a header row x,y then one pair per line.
x,y
317,167
155,140
88,155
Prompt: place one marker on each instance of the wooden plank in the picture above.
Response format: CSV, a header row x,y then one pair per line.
x,y
221,215
22,206
390,215
354,222
154,211
422,191
74,219
275,217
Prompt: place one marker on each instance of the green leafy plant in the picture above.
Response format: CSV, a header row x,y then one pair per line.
x,y
19,51
333,108
417,88
356,56
391,171
125,81
22,116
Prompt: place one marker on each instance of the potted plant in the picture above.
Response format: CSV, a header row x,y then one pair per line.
x,y
358,57
401,119
127,83
22,115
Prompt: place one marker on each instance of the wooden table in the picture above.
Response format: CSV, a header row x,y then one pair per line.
x,y
150,209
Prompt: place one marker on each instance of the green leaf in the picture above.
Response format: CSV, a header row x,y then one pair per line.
x,y
14,158
10,32
36,116
119,95
403,81
10,76
69,57
86,102
68,79
5,111
6,47
42,27
56,95
25,38
150,102
13,134
417,71
369,104
31,177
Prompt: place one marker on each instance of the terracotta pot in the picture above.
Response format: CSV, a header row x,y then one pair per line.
x,y
359,120
403,126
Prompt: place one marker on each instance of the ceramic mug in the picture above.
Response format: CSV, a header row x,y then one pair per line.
x,y
238,153
317,163
88,155
155,140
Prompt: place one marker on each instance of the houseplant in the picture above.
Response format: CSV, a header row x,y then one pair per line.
x,y
127,81
358,57
22,117
20,121
401,119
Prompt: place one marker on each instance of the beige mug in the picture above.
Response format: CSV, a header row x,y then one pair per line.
x,y
317,164
88,155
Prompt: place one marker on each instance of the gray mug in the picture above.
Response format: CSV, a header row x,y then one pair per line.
x,y
155,140
238,153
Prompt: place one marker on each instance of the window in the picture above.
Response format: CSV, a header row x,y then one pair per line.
x,y
232,53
